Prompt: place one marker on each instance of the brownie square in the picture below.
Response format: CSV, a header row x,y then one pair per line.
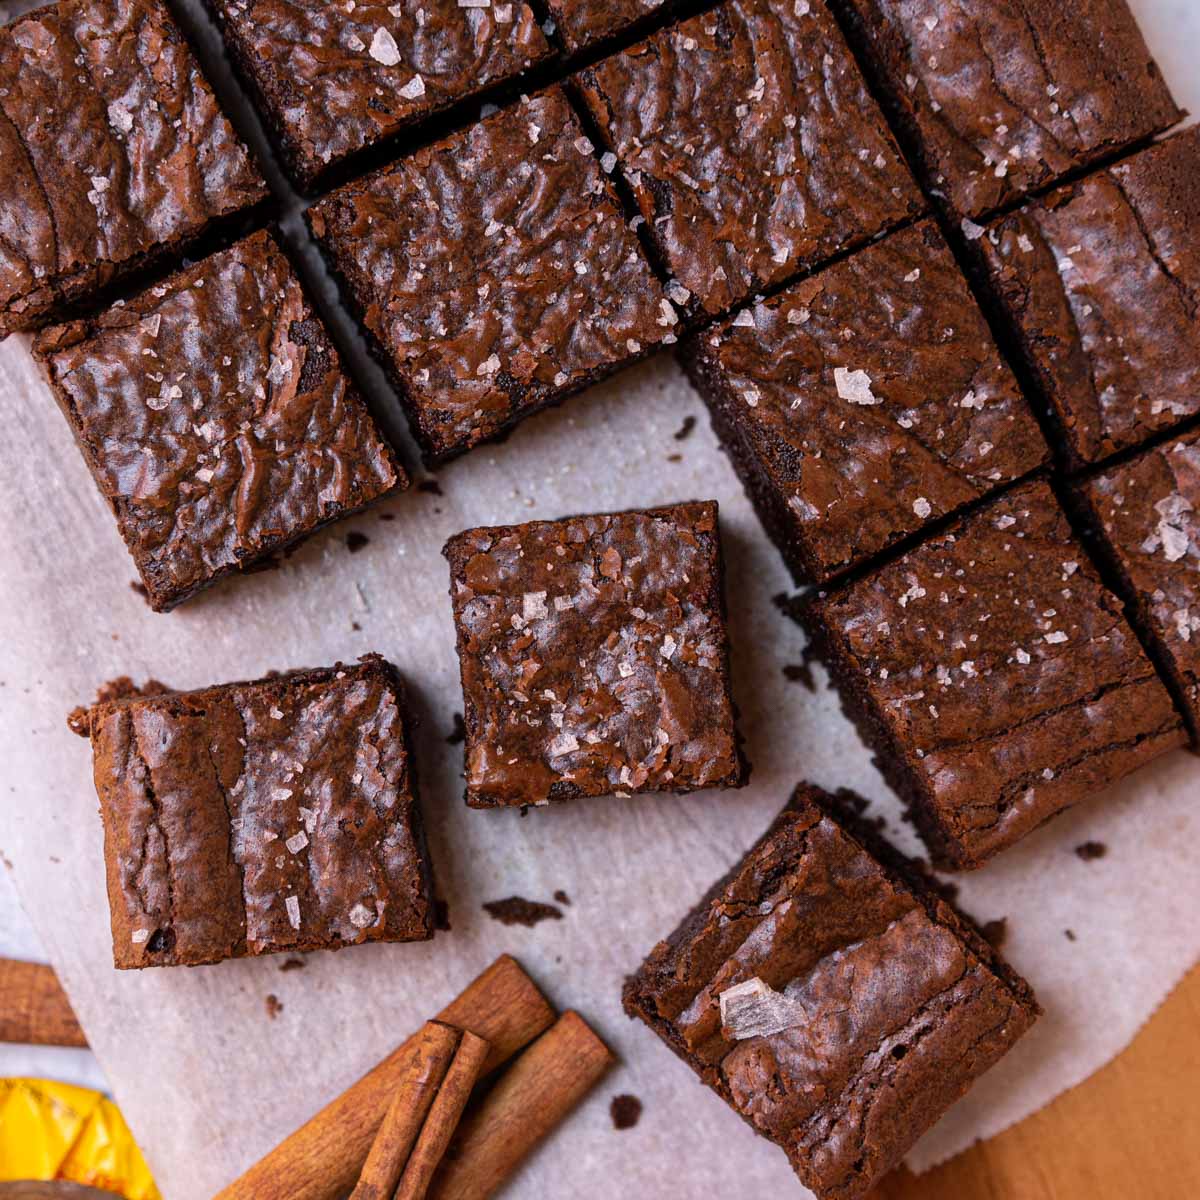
x,y
333,79
1101,282
253,818
215,418
751,145
1144,515
594,657
114,152
495,273
581,23
999,98
865,402
831,999
995,675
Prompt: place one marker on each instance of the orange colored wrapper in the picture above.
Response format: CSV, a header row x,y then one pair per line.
x,y
55,1131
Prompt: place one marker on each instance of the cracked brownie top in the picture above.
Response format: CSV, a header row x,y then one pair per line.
x,y
866,401
1102,281
250,818
594,656
751,144
335,78
1002,97
215,417
837,1009
996,673
113,147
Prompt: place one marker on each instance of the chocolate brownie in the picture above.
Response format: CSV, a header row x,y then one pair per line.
x,y
751,145
495,273
594,657
1101,282
581,23
253,818
995,675
216,419
833,1001
332,79
113,148
1145,515
865,402
999,98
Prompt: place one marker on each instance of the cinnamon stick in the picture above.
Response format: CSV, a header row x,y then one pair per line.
x,y
34,1009
323,1158
443,1118
416,1089
527,1102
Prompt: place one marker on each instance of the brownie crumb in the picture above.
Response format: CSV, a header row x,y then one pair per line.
x,y
626,1110
995,931
459,735
356,627
355,541
430,486
683,432
1090,851
274,1005
1070,935
441,915
516,910
674,458
292,964
562,897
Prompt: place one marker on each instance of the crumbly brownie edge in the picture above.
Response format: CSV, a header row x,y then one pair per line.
x,y
738,777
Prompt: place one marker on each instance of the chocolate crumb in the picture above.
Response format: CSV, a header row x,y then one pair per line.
x,y
689,423
292,964
626,1110
355,541
356,626
562,897
516,910
674,458
1070,934
441,915
274,1005
1090,851
431,486
460,731
995,931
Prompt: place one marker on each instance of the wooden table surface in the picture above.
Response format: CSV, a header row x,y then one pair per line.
x,y
1130,1132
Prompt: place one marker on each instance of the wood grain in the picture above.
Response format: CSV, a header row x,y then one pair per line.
x,y
33,1007
1130,1132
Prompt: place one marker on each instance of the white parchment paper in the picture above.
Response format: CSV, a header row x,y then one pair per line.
x,y
209,1082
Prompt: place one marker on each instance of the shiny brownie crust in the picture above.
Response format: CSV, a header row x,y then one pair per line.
x,y
216,419
900,1004
865,402
114,151
594,657
254,818
751,144
1000,98
495,272
994,674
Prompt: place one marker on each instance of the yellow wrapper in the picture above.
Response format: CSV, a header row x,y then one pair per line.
x,y
56,1131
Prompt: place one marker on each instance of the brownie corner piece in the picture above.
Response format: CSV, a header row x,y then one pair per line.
x,y
495,273
594,657
114,156
835,1003
253,818
865,402
751,144
335,79
1002,99
216,419
1143,514
1100,282
994,674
